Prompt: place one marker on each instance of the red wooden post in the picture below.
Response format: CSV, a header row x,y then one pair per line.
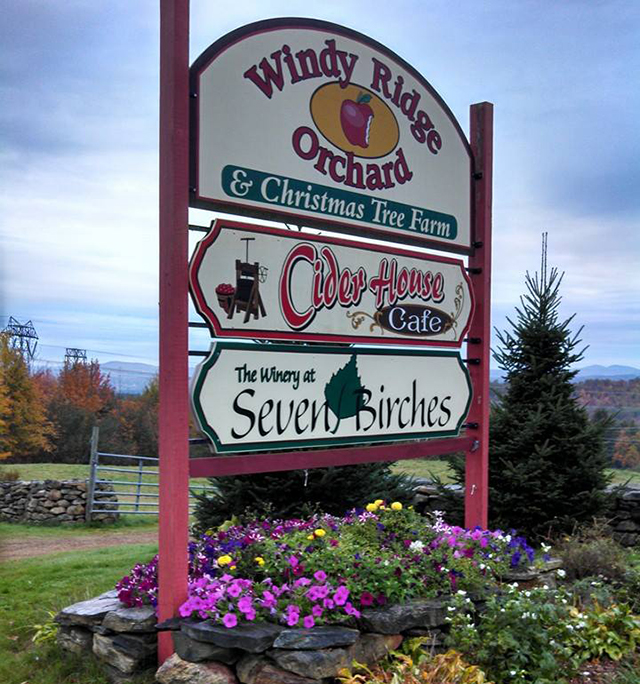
x,y
174,407
477,465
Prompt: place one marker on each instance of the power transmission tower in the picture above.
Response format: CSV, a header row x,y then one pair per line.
x,y
22,337
75,355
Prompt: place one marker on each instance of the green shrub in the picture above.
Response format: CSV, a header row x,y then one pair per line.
x,y
611,631
538,635
299,493
591,553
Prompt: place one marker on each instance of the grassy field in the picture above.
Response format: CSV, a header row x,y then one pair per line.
x,y
30,589
423,467
419,467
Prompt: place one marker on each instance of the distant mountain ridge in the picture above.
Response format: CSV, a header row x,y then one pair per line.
x,y
132,378
129,378
614,372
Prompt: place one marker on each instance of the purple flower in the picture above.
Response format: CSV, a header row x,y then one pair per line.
x,y
317,610
308,622
320,576
230,620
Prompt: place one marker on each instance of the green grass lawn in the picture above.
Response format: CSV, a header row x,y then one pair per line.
x,y
423,467
419,467
29,589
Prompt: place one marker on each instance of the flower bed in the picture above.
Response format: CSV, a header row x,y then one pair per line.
x,y
326,569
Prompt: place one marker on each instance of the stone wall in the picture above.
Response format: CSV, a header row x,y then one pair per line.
x,y
124,640
624,515
53,501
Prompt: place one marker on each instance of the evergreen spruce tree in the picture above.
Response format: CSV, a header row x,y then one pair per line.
x,y
299,493
546,458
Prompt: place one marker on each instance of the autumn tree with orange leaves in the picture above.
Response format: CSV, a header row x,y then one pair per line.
x,y
24,428
83,397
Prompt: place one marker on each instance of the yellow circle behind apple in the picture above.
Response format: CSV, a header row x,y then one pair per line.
x,y
383,132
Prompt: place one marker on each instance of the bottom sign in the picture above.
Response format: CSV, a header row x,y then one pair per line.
x,y
255,397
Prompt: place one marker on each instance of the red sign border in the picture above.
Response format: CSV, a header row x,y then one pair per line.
x,y
212,321
198,201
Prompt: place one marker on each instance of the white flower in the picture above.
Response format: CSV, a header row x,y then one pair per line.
x,y
527,594
513,673
545,586
450,608
561,573
416,546
545,548
482,566
460,592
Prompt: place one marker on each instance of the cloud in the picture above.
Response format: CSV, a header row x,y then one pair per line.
x,y
78,151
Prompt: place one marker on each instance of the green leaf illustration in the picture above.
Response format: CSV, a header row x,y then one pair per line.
x,y
364,97
343,391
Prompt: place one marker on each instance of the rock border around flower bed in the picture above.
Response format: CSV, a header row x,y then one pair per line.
x,y
124,640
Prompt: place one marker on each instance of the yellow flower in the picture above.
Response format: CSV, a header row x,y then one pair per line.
x,y
224,560
372,508
320,532
310,537
396,506
232,567
259,560
378,502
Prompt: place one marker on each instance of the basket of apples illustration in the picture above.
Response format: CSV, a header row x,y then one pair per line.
x,y
225,292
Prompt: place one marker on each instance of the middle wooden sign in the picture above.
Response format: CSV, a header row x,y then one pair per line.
x,y
250,281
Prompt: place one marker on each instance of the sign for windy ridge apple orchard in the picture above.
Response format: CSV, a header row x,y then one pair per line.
x,y
265,283
304,121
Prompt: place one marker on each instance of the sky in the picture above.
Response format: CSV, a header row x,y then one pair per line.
x,y
79,87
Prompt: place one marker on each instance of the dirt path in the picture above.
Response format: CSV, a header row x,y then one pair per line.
x,y
30,547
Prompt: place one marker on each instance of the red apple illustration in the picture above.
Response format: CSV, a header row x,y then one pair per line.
x,y
356,118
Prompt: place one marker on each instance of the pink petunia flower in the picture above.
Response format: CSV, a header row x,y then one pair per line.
x,y
245,604
230,620
341,595
308,622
